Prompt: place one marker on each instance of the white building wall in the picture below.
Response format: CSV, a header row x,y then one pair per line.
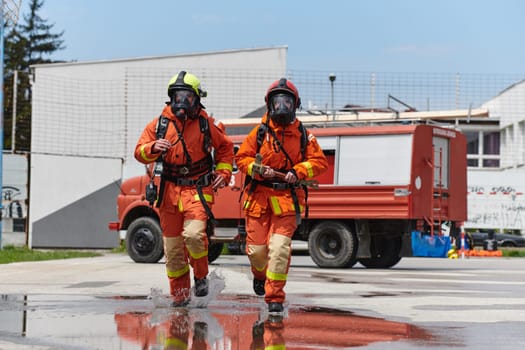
x,y
87,117
67,180
509,105
496,198
98,109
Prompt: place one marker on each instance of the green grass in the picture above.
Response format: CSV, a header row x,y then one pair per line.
x,y
513,252
120,249
10,254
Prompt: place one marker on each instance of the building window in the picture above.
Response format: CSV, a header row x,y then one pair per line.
x,y
491,142
472,148
483,149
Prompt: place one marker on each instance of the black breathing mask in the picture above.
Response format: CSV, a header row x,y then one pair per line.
x,y
185,103
282,108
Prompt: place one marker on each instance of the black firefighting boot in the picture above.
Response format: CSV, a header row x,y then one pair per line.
x,y
275,307
257,335
200,331
258,286
181,303
201,287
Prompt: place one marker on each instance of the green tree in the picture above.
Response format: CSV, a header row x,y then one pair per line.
x,y
29,42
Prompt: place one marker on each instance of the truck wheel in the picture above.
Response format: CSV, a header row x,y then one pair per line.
x,y
332,245
385,252
214,251
144,241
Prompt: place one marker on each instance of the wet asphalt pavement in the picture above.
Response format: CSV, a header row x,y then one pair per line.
x,y
110,302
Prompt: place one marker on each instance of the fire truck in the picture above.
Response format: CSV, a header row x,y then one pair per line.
x,y
389,174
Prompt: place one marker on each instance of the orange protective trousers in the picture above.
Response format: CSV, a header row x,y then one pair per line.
x,y
185,239
268,247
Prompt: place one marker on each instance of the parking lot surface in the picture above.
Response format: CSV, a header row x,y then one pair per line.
x,y
110,302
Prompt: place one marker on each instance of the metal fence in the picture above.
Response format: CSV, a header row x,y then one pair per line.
x,y
101,118
422,91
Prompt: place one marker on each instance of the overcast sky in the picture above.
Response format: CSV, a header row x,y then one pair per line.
x,y
464,36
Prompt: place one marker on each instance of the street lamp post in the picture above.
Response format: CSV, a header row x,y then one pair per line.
x,y
331,77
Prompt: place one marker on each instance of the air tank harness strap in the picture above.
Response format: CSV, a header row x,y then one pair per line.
x,y
211,223
186,170
202,181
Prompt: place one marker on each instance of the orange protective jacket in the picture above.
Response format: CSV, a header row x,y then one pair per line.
x,y
194,140
313,164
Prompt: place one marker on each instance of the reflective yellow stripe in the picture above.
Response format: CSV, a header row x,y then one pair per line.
x,y
207,197
179,205
276,276
198,256
176,343
309,169
250,169
224,166
246,204
275,205
143,154
178,273
275,347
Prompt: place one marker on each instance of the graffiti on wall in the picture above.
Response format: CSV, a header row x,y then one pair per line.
x,y
14,208
13,203
496,207
14,193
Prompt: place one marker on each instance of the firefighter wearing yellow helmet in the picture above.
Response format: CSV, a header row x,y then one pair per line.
x,y
183,139
184,91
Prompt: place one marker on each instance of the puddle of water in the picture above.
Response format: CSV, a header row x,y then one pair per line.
x,y
216,322
215,287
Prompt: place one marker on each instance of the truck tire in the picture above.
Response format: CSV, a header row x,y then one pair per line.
x,y
144,240
214,251
332,245
385,252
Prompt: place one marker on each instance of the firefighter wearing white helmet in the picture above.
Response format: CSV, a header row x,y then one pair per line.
x,y
183,138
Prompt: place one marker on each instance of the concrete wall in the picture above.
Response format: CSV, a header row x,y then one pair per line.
x,y
72,200
14,199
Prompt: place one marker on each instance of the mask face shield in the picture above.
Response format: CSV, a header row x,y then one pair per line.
x,y
184,103
282,108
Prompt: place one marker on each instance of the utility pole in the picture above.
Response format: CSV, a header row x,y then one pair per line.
x,y
13,126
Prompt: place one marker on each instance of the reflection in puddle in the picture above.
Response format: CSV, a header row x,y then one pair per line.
x,y
228,322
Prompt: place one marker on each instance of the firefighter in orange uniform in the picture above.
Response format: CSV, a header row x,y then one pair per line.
x,y
268,335
189,177
179,332
273,204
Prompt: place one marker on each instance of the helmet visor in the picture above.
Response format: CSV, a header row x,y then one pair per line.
x,y
282,108
185,103
283,103
184,96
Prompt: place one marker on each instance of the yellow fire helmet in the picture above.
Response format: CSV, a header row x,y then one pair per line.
x,y
186,81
